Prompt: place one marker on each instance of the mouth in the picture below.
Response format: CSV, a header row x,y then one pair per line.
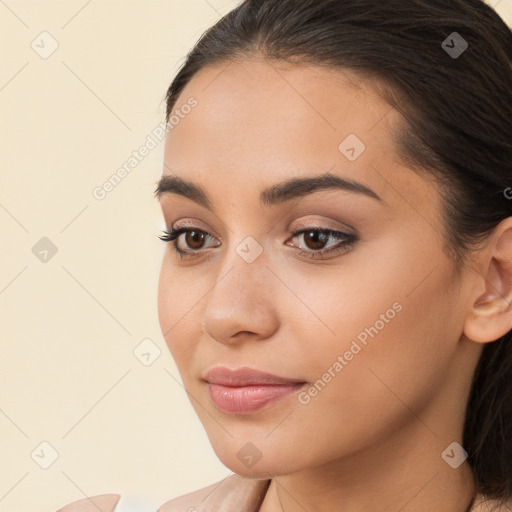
x,y
246,390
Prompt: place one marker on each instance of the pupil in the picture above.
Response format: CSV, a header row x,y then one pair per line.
x,y
315,237
194,235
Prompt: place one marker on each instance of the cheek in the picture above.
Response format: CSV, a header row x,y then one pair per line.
x,y
176,309
394,342
165,302
391,317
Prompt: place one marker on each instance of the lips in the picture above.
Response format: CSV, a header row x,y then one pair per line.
x,y
246,390
245,377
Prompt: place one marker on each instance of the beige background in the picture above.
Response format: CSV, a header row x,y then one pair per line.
x,y
70,324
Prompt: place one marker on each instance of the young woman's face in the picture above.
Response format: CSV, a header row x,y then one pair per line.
x,y
369,332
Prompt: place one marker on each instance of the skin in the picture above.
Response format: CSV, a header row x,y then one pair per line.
x,y
372,438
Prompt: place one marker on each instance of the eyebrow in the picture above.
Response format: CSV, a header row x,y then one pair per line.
x,y
276,194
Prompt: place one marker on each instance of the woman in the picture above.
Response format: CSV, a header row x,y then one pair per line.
x,y
337,289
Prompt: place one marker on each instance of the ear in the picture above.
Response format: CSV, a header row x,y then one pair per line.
x,y
490,316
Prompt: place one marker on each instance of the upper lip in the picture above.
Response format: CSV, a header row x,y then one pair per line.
x,y
245,377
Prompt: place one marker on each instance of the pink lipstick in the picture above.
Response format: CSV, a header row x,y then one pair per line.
x,y
245,390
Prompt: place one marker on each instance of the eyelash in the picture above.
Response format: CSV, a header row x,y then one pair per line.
x,y
348,241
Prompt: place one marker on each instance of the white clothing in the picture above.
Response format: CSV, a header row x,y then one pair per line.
x,y
135,503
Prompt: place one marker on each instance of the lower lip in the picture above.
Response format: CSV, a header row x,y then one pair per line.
x,y
247,399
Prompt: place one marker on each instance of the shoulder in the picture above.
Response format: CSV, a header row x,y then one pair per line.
x,y
233,493
103,502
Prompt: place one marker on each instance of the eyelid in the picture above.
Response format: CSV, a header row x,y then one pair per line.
x,y
301,225
324,226
193,224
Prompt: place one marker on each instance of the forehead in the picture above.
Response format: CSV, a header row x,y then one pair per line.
x,y
267,102
258,121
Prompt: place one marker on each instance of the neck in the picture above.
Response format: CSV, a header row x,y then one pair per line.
x,y
405,472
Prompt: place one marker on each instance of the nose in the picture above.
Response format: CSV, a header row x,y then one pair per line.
x,y
241,306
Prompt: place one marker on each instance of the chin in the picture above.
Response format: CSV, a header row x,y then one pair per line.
x,y
260,471
275,464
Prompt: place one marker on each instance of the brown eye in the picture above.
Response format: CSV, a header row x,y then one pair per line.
x,y
315,239
194,239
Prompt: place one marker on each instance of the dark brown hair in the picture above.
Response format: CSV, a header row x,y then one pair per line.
x,y
457,127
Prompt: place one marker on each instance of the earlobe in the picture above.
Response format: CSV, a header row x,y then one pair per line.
x,y
490,317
